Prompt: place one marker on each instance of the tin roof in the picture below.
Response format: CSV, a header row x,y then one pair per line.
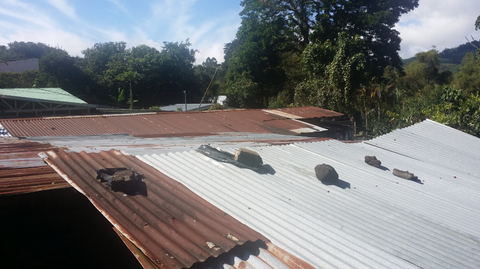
x,y
161,124
173,226
22,171
369,218
304,112
138,145
43,94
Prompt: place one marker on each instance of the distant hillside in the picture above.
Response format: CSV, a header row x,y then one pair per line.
x,y
450,59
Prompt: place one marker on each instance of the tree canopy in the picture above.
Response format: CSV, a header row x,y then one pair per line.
x,y
275,33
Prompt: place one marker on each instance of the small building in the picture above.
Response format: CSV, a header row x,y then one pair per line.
x,y
33,102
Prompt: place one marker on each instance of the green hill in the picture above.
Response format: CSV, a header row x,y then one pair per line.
x,y
450,58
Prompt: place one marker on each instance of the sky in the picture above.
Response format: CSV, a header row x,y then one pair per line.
x,y
75,25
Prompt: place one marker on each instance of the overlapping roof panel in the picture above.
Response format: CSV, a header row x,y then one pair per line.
x,y
369,218
41,94
138,145
22,171
304,112
172,226
162,124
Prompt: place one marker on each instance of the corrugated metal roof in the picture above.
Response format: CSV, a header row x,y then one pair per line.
x,y
305,112
370,218
27,180
23,171
161,124
139,145
4,132
173,226
434,143
44,94
190,107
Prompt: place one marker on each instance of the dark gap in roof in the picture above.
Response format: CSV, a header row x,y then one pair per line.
x,y
240,251
58,229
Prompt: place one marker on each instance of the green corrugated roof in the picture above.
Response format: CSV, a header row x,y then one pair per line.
x,y
45,94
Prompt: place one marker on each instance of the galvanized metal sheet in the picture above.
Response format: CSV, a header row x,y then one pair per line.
x,y
304,112
139,145
172,225
368,219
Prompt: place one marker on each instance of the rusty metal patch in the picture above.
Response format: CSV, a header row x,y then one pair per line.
x,y
168,124
172,226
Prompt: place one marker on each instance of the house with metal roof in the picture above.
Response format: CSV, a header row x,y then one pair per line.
x,y
32,102
201,212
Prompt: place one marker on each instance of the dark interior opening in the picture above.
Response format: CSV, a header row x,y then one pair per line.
x,y
58,229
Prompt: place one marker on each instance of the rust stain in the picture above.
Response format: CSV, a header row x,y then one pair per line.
x,y
289,259
169,124
172,226
23,171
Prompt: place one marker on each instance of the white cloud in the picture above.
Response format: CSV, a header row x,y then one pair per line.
x,y
64,7
443,24
167,20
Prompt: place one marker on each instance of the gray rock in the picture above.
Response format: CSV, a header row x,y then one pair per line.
x,y
373,161
326,173
404,174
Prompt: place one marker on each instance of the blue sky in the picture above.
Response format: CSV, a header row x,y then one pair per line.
x,y
75,25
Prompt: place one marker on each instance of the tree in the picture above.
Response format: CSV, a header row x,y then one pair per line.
x,y
256,59
97,58
275,30
25,79
322,20
468,77
334,71
207,77
422,74
130,77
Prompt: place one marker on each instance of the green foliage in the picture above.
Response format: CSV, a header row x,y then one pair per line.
x,y
372,21
255,61
25,79
458,112
422,74
450,58
22,51
204,75
217,106
243,91
468,77
274,34
334,71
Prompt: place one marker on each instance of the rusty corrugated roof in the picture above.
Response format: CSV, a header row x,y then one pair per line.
x,y
33,179
23,171
305,112
168,124
172,226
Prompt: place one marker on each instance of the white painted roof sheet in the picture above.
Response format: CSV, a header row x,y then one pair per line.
x,y
370,218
